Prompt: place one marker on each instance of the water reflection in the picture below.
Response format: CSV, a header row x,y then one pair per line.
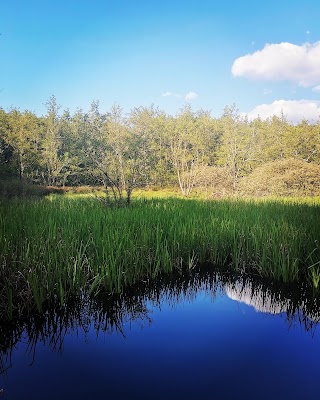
x,y
262,299
111,314
297,303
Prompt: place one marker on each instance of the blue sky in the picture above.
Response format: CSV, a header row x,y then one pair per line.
x,y
140,52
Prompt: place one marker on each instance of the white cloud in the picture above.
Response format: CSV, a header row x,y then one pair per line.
x,y
282,61
168,94
316,88
188,97
191,96
267,91
294,110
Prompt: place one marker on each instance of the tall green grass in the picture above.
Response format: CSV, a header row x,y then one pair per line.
x,y
52,250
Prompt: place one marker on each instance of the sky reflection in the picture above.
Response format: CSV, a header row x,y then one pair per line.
x,y
197,336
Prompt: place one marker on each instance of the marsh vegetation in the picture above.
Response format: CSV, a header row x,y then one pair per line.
x,y
52,250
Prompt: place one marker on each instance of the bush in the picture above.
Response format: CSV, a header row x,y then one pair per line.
x,y
10,188
216,182
282,178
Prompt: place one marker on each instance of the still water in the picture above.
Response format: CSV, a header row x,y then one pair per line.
x,y
197,336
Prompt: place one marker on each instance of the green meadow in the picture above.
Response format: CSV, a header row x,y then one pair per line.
x,y
58,247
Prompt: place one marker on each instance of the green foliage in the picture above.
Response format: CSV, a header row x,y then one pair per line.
x,y
148,147
190,140
21,134
236,150
289,177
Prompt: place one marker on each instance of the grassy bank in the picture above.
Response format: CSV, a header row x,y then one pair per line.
x,y
51,250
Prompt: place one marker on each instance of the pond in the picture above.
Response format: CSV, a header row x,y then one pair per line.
x,y
190,336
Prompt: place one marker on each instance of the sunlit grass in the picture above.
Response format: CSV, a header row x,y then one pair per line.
x,y
172,192
56,247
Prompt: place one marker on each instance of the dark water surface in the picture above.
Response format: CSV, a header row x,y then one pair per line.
x,y
186,337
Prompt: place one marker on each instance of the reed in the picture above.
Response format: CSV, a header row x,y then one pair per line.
x,y
51,250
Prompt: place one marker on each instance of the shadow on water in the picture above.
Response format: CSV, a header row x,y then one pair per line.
x,y
109,314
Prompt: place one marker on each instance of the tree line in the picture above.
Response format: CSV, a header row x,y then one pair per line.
x,y
149,147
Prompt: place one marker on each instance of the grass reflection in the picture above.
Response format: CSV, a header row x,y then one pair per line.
x,y
110,314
